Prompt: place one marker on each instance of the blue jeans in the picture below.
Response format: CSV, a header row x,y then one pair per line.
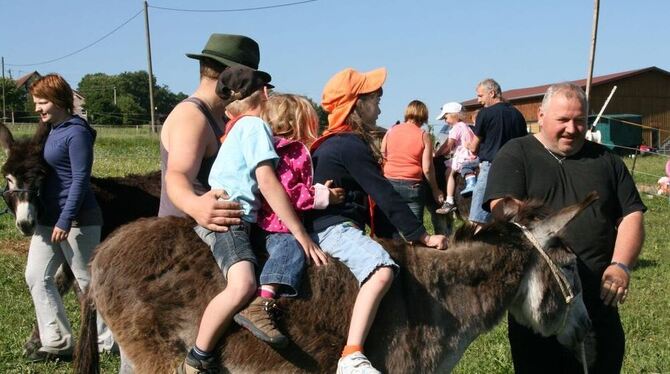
x,y
477,213
414,194
285,264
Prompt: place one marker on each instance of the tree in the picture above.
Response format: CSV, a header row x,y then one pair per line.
x,y
98,91
16,100
131,112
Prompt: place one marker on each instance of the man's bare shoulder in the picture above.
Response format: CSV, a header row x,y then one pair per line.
x,y
187,124
185,114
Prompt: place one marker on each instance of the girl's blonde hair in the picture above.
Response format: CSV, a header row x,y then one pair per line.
x,y
292,117
239,107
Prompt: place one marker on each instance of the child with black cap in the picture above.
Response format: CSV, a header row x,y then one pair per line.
x,y
245,169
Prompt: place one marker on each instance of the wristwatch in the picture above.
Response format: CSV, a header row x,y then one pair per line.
x,y
623,266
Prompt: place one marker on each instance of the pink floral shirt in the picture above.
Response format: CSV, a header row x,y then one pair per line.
x,y
295,172
462,135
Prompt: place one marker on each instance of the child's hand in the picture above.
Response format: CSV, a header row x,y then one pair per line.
x,y
335,195
312,251
435,241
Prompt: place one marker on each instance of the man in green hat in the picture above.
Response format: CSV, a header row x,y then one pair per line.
x,y
190,138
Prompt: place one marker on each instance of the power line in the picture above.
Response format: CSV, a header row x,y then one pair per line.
x,y
85,47
234,10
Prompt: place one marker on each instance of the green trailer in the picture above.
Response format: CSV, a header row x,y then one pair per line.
x,y
619,132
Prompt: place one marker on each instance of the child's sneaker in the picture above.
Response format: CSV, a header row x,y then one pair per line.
x,y
258,317
355,363
446,208
192,365
469,186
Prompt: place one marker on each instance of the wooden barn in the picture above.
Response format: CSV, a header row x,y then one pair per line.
x,y
642,93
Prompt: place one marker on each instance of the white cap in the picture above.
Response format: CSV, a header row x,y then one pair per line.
x,y
448,108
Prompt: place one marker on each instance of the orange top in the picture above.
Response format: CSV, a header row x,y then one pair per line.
x,y
403,152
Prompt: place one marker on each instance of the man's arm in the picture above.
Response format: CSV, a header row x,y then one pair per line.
x,y
473,146
629,239
187,137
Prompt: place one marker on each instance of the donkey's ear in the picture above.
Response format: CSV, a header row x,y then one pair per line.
x,y
6,138
506,209
41,133
550,226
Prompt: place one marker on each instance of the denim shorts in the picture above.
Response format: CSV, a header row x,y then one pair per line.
x,y
349,244
477,213
285,264
230,247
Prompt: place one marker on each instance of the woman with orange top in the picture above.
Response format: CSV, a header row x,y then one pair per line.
x,y
408,154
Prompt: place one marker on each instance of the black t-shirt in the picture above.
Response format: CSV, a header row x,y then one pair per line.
x,y
525,169
495,126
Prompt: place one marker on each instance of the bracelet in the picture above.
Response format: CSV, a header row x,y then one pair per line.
x,y
622,266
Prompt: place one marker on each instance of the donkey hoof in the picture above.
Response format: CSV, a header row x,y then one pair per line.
x,y
30,347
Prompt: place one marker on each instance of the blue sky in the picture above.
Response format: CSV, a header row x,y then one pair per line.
x,y
435,51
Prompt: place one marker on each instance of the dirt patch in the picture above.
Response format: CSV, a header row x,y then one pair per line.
x,y
14,246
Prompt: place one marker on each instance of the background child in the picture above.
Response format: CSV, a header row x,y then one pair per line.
x,y
244,168
463,161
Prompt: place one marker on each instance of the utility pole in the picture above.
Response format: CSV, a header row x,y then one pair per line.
x,y
114,88
151,74
594,34
4,113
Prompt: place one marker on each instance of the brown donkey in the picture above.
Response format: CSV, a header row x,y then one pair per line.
x,y
121,200
152,279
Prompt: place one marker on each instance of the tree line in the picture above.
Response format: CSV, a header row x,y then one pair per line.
x,y
109,99
113,100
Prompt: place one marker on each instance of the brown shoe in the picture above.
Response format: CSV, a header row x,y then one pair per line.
x,y
258,317
192,365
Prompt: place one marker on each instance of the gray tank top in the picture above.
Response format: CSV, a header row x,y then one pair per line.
x,y
200,185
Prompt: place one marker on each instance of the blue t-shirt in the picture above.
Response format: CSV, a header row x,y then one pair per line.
x,y
248,144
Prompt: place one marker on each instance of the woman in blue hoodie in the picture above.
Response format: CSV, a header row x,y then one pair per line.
x,y
68,228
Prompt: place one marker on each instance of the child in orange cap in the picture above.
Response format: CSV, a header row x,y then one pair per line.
x,y
348,155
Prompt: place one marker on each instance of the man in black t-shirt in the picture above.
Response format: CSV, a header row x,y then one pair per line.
x,y
560,168
496,123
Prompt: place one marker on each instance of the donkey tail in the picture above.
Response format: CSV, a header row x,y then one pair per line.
x,y
87,359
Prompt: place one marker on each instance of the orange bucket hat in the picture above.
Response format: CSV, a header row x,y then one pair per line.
x,y
341,93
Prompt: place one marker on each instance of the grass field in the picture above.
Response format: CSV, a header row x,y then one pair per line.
x,y
118,152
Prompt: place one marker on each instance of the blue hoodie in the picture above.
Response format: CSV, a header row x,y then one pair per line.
x,y
66,193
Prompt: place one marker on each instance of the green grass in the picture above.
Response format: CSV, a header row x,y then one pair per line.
x,y
119,152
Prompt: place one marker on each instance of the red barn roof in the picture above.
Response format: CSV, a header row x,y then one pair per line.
x,y
530,92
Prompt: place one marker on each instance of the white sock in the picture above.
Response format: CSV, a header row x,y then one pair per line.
x,y
450,199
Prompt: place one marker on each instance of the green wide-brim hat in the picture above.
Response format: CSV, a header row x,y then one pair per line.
x,y
230,50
